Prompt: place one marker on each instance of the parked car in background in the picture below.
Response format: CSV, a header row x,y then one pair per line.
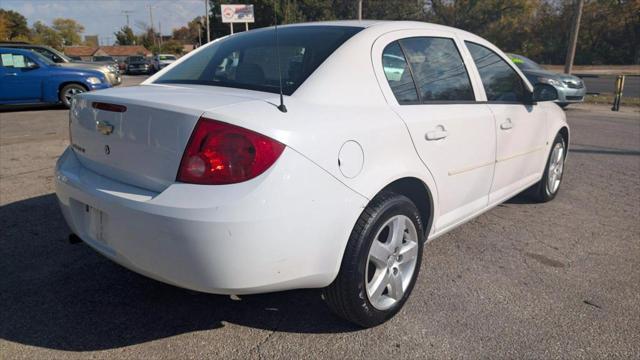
x,y
160,61
571,89
26,77
106,60
135,65
225,175
112,74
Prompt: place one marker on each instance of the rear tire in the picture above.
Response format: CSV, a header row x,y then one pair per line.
x,y
376,277
69,91
547,188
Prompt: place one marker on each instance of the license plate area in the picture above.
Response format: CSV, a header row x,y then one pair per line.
x,y
95,222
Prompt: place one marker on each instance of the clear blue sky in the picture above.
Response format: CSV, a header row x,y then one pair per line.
x,y
104,17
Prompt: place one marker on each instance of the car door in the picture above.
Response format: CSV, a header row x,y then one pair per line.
x,y
520,127
425,81
21,79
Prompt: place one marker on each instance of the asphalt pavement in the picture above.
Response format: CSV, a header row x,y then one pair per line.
x,y
555,280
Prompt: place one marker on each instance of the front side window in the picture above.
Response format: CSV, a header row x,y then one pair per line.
x,y
249,60
16,61
501,83
438,69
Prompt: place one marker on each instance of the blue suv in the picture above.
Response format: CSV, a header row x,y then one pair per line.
x,y
27,77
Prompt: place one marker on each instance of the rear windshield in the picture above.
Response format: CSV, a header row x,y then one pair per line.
x,y
249,60
102,58
167,57
136,58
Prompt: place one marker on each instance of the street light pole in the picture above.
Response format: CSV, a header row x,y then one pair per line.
x,y
573,41
126,14
206,19
359,9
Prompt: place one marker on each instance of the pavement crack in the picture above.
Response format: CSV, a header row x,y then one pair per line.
x,y
267,338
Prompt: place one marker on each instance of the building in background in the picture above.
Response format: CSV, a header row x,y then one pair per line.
x,y
119,53
91,40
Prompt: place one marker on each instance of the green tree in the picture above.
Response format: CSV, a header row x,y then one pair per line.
x,y
189,34
4,28
69,30
16,27
43,34
125,36
171,47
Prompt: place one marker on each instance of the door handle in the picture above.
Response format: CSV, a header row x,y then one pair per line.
x,y
437,134
11,74
506,125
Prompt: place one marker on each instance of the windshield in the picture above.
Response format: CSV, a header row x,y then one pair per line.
x,y
524,63
102,58
136,58
167,57
249,60
50,53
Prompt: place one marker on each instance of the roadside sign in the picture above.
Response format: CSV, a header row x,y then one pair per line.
x,y
237,13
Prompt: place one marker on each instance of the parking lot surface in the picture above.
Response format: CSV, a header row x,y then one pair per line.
x,y
555,280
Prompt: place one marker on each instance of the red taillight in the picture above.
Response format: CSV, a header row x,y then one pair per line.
x,y
219,153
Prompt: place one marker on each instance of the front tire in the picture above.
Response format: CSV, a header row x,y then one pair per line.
x,y
69,91
547,188
381,262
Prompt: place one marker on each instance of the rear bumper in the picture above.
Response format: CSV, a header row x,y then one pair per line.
x,y
138,71
285,229
568,95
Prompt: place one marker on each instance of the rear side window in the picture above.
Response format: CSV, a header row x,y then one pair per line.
x,y
249,60
435,69
501,83
398,74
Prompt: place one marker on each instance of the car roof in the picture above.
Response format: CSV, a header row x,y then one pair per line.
x,y
23,45
384,26
16,50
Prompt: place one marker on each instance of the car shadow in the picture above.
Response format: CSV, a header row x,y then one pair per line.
x,y
68,297
31,107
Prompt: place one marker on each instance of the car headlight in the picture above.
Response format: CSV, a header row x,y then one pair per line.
x,y
93,80
552,82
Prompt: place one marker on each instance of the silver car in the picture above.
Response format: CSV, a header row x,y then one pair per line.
x,y
571,89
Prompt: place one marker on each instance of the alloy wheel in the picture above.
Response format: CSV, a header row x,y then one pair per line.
x,y
391,262
556,166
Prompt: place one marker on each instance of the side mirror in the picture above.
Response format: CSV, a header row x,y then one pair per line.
x,y
544,92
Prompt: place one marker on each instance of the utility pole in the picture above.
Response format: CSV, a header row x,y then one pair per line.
x,y
153,32
359,9
160,31
206,19
126,14
199,34
573,40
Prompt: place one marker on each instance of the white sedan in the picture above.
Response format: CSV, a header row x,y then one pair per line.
x,y
388,135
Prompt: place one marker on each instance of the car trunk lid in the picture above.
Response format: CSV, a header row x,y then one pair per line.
x,y
137,135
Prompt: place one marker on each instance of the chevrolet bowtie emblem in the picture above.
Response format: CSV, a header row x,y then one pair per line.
x,y
104,127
